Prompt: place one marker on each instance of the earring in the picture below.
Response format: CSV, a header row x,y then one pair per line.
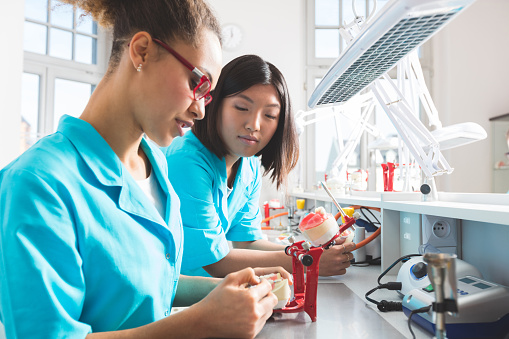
x,y
139,68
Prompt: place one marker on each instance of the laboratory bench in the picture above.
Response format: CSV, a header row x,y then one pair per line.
x,y
343,312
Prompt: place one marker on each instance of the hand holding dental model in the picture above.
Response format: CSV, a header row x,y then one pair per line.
x,y
232,291
319,227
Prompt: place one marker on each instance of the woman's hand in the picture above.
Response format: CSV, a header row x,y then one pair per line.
x,y
259,271
238,307
336,259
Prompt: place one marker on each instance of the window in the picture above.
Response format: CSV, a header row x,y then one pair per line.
x,y
65,58
55,29
325,45
325,17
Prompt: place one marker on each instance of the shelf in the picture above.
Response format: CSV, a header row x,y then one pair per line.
x,y
489,207
363,198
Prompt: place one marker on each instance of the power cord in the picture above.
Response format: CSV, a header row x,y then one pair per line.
x,y
403,258
388,306
418,310
384,305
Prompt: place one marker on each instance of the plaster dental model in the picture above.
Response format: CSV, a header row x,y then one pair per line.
x,y
280,287
320,227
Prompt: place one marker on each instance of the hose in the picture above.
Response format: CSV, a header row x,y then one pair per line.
x,y
275,216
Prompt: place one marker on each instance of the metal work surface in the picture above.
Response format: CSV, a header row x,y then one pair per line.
x,y
341,314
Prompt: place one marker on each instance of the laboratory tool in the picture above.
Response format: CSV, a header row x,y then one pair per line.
x,y
343,214
442,274
414,273
482,309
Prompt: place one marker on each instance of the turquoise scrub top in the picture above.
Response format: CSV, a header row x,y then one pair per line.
x,y
209,215
82,249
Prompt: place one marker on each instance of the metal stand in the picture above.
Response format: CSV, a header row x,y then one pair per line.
x,y
442,274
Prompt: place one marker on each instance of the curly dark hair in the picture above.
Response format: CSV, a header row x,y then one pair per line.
x,y
167,20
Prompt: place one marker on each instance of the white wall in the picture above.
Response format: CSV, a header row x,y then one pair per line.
x,y
470,83
276,31
11,64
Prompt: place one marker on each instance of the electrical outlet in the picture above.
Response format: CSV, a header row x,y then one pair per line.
x,y
441,233
441,229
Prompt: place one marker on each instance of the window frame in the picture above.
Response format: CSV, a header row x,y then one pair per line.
x,y
50,68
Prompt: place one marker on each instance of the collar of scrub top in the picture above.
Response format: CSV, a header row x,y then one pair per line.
x,y
108,169
246,175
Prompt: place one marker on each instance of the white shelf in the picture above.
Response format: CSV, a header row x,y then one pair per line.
x,y
489,207
363,198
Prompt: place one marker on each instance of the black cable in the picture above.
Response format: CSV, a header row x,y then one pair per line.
x,y
385,305
418,310
362,209
406,257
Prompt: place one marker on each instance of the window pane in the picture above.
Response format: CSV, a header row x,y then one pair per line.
x,y
327,144
86,49
61,14
34,38
327,12
84,23
71,97
29,109
327,43
36,10
60,44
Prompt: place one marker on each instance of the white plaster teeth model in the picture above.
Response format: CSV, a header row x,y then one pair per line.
x,y
280,287
319,227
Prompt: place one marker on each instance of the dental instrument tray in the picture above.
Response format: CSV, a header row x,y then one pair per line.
x,y
483,309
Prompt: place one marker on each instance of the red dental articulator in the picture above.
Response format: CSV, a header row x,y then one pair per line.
x,y
305,286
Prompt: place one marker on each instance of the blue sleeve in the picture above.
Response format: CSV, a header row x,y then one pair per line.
x,y
204,239
246,224
41,282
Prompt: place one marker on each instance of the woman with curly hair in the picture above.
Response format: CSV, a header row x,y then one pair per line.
x,y
90,229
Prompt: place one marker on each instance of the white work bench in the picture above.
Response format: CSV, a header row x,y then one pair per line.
x,y
343,312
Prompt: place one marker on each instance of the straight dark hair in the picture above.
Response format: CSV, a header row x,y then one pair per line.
x,y
282,152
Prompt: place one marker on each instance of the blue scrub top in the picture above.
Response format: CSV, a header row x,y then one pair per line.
x,y
209,215
82,248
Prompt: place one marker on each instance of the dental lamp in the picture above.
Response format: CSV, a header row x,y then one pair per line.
x,y
386,40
